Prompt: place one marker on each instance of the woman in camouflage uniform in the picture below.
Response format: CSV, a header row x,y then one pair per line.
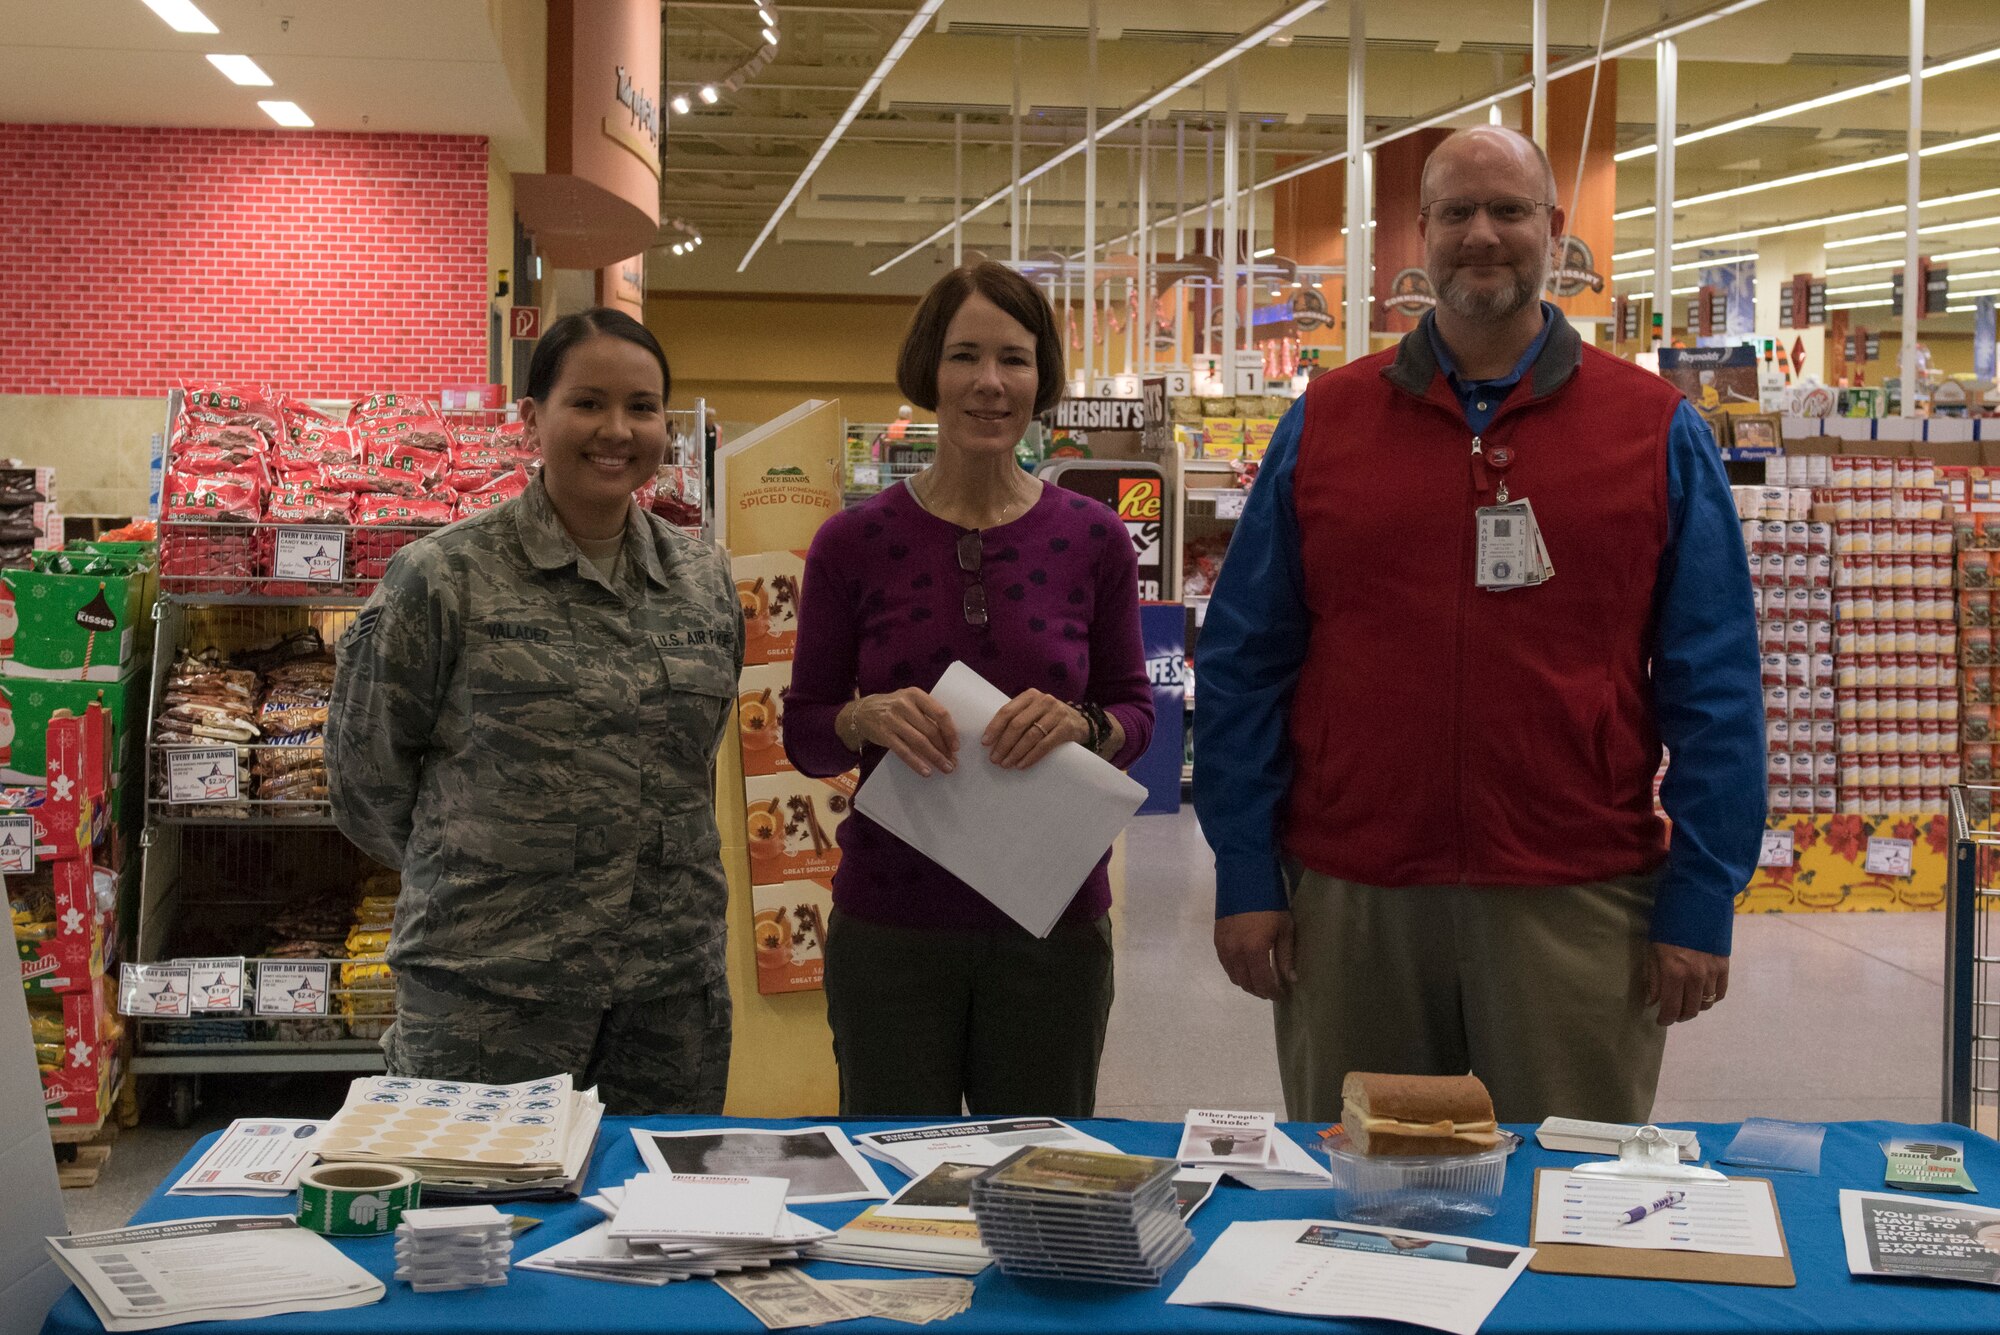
x,y
525,720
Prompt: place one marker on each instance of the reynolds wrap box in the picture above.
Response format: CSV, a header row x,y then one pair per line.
x,y
74,616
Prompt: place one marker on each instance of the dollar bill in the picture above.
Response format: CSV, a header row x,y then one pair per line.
x,y
783,1298
915,1302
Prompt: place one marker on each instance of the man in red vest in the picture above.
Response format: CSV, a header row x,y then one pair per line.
x,y
1480,580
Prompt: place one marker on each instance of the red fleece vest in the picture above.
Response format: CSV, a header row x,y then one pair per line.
x,y
1447,734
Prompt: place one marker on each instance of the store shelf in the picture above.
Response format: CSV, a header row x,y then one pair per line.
x,y
329,601
1228,501
358,1055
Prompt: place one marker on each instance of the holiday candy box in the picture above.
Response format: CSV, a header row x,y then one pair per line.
x,y
27,704
68,626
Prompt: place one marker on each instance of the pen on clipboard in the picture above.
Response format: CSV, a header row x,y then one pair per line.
x,y
1638,1212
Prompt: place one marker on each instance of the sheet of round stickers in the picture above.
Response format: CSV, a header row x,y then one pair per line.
x,y
393,1117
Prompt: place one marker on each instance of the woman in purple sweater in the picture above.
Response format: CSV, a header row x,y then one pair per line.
x,y
936,998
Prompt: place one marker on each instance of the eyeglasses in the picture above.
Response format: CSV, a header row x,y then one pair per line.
x,y
969,551
1507,211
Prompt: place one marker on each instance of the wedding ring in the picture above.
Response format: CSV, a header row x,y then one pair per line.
x,y
1039,728
1708,999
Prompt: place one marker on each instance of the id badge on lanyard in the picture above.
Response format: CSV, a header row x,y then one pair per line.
x,y
1511,553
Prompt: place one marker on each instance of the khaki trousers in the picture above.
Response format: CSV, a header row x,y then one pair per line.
x,y
1538,991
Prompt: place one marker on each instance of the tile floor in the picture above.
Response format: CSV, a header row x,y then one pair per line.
x,y
1829,1017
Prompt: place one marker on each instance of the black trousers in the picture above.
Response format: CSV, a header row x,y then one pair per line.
x,y
928,1022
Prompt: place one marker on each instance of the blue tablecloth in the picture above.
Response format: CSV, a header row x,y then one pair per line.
x,y
1827,1297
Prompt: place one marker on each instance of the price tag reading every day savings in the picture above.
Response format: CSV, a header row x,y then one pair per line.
x,y
17,845
1889,857
310,554
202,774
1779,849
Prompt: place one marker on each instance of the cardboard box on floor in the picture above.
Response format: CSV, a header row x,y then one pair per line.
x,y
29,1281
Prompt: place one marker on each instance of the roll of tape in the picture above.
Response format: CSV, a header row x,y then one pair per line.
x,y
353,1200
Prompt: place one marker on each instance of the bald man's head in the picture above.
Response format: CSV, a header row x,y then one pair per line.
x,y
1486,141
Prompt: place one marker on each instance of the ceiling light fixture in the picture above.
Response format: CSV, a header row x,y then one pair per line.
x,y
1824,173
770,37
707,94
743,73
1625,46
765,15
241,71
679,104
1934,229
287,114
888,62
1830,220
1249,41
1810,104
181,15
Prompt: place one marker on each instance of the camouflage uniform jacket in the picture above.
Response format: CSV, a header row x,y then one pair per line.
x,y
534,747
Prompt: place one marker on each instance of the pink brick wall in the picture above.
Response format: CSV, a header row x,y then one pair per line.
x,y
331,264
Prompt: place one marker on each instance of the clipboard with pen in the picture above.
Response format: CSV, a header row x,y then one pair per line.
x,y
1717,1232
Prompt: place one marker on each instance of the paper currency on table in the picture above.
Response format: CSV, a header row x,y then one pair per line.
x,y
915,1302
783,1298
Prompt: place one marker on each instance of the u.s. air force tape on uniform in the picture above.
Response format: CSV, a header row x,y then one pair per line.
x,y
348,1200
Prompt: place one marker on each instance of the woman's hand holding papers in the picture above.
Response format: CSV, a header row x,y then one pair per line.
x,y
908,723
1029,727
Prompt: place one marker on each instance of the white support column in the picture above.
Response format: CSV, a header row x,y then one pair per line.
x,y
957,188
1250,226
1232,267
1090,205
1354,337
1181,354
1666,99
1014,222
1132,283
1540,99
1912,182
1143,317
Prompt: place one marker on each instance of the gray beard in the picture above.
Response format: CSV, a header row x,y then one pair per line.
x,y
1490,307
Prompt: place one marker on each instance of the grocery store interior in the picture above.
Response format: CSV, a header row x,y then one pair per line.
x,y
340,221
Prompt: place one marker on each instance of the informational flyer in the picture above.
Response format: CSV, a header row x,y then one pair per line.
x,y
1317,1267
1213,1136
228,1268
256,1156
1920,1239
818,1161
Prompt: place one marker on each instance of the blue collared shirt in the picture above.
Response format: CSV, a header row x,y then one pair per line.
x,y
1706,689
1481,399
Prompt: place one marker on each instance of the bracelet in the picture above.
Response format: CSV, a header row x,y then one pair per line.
x,y
840,732
1099,724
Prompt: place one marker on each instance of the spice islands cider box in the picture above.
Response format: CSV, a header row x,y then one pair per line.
x,y
791,821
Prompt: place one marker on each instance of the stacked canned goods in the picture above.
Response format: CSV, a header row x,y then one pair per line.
x,y
1791,568
1896,649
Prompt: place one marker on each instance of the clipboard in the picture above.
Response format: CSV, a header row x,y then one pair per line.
x,y
1563,1258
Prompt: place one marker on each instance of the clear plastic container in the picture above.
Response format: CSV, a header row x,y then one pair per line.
x,y
1408,1190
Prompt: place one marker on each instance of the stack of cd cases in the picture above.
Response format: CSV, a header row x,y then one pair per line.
x,y
1052,1213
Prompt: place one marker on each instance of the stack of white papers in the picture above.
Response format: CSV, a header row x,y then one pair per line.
x,y
655,1234
468,1140
1317,1267
256,1156
463,1248
921,1150
1251,1148
223,1269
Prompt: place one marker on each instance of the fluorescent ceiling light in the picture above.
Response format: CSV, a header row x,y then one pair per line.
x,y
867,90
1857,305
1933,230
1978,292
1625,47
241,70
181,15
679,104
1724,262
765,15
707,94
1830,220
1810,104
287,114
1824,173
1249,41
1260,254
1859,287
770,37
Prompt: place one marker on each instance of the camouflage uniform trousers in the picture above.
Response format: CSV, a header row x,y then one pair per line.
x,y
665,1054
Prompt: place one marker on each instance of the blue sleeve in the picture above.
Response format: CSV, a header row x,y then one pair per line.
x,y
1709,698
1247,661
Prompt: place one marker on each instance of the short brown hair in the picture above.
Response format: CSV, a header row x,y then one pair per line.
x,y
923,345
